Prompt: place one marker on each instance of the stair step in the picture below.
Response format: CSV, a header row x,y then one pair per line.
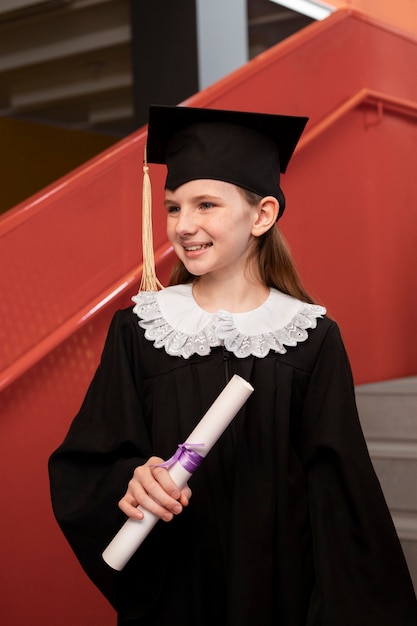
x,y
388,414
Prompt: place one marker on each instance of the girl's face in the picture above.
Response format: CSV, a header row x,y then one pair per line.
x,y
210,226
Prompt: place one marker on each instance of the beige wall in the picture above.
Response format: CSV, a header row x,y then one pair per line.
x,y
401,14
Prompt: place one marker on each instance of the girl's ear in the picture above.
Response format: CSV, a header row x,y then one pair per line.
x,y
267,213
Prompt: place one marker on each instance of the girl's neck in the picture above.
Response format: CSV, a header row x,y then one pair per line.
x,y
236,295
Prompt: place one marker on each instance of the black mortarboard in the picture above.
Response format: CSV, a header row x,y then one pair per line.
x,y
245,149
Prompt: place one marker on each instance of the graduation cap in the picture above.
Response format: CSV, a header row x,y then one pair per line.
x,y
249,150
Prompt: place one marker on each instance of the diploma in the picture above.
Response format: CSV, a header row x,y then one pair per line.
x,y
181,466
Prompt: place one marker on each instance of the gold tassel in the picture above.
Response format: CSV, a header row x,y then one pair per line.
x,y
149,281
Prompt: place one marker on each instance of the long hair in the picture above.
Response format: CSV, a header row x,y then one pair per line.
x,y
275,263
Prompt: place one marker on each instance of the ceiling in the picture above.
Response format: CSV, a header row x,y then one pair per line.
x,y
68,62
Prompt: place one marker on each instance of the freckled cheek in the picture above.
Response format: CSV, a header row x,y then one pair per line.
x,y
170,230
173,240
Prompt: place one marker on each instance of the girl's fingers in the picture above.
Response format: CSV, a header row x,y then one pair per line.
x,y
153,489
130,509
185,496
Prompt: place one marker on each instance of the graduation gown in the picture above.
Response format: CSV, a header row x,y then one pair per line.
x,y
287,524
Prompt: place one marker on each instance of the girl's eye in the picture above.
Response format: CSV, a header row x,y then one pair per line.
x,y
173,209
206,205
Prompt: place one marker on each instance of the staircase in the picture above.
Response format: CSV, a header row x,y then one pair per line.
x,y
388,413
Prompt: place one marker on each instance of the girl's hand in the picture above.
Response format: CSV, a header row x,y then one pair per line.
x,y
153,489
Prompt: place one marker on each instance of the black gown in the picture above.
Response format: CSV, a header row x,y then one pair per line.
x,y
287,524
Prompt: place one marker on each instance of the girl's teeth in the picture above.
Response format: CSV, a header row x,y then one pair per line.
x,y
192,248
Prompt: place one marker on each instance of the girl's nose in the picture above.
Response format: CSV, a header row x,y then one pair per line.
x,y
186,224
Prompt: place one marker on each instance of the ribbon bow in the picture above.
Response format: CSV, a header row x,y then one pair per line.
x,y
186,456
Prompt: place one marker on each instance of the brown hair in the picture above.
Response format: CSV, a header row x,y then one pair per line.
x,y
275,263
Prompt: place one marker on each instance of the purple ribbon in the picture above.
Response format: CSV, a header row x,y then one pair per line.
x,y
186,456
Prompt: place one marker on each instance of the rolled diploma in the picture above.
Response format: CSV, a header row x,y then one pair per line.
x,y
207,432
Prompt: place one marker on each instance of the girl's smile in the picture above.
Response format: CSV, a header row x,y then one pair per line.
x,y
190,248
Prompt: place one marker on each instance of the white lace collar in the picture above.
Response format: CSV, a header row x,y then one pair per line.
x,y
172,319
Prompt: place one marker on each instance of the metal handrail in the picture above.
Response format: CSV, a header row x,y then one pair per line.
x,y
364,96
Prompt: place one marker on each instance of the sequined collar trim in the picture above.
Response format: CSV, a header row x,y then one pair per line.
x,y
173,320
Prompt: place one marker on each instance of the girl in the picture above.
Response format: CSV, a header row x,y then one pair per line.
x,y
287,524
